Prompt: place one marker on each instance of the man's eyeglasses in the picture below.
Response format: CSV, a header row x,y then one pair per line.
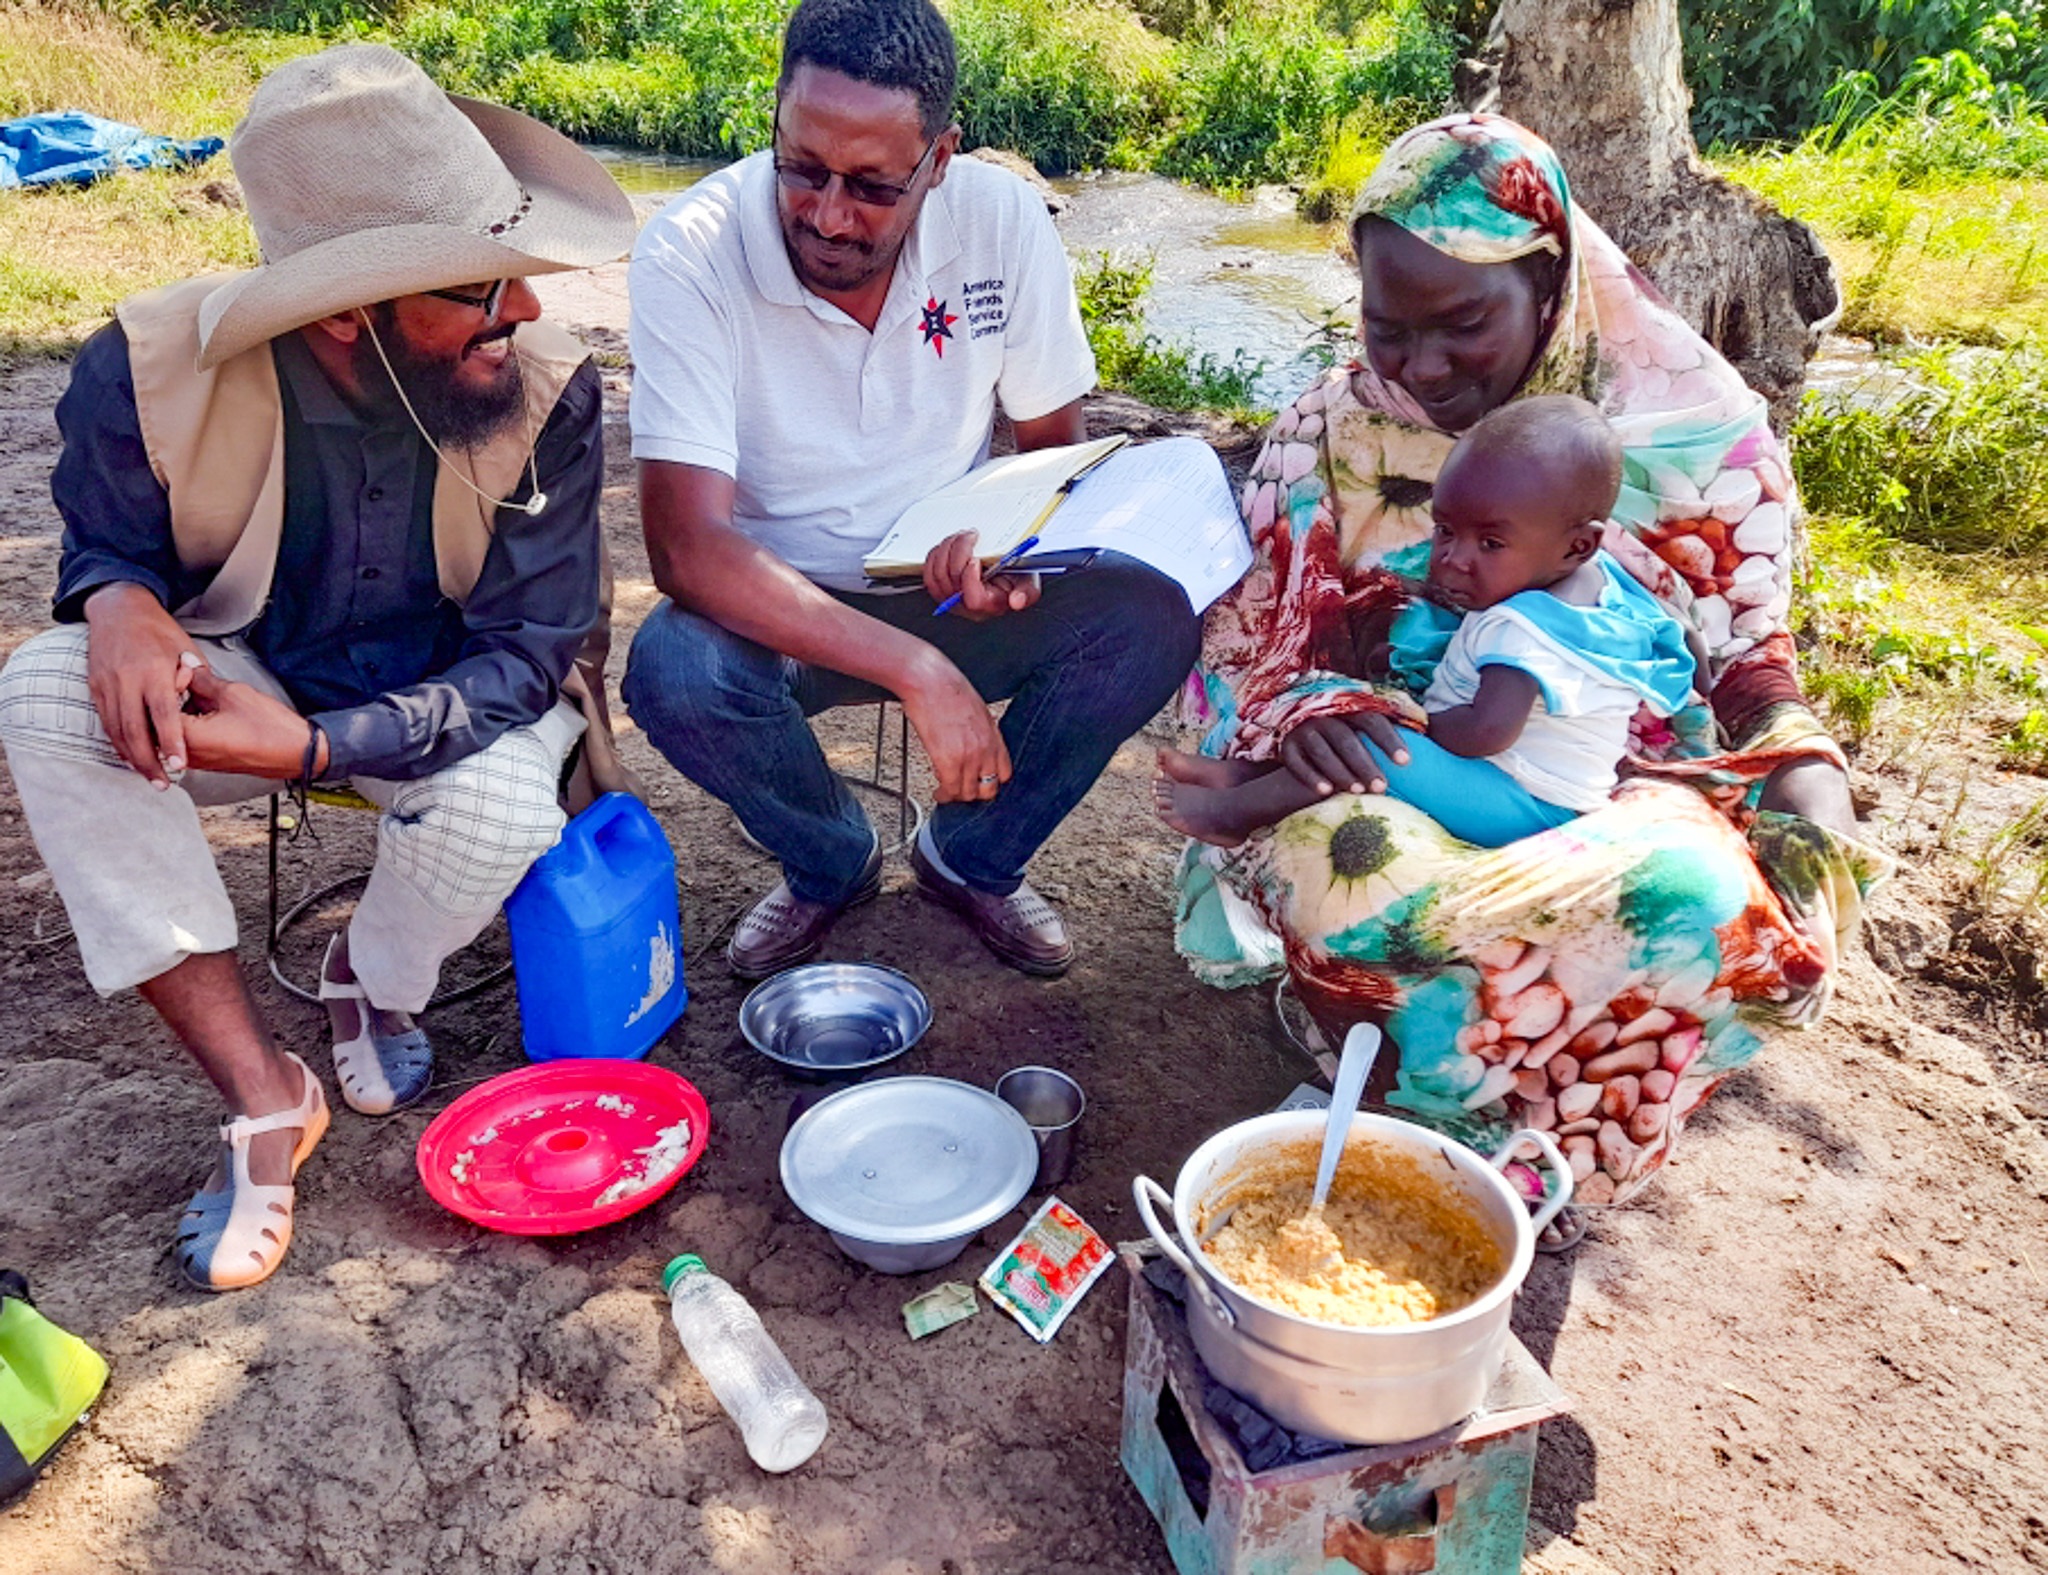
x,y
488,303
798,175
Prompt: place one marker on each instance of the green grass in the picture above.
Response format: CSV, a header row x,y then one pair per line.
x,y
1960,257
170,79
689,76
1070,86
1957,459
1361,137
1933,202
1924,599
1903,646
68,255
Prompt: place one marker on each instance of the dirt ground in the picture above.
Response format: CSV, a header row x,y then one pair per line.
x,y
1819,1345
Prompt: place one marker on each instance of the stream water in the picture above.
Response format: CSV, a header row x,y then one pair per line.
x,y
1248,278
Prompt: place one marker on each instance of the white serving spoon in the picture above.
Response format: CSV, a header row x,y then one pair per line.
x,y
1354,1066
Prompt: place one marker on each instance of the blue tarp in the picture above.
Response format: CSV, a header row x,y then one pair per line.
x,y
72,146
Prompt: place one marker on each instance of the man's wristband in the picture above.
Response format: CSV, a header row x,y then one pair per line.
x,y
312,755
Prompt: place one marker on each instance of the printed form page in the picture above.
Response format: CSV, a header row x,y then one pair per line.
x,y
1169,505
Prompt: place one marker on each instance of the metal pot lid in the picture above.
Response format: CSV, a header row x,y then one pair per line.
x,y
908,1159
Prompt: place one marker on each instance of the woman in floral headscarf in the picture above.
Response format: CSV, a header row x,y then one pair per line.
x,y
1599,979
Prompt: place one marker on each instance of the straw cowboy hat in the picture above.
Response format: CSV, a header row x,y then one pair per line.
x,y
366,182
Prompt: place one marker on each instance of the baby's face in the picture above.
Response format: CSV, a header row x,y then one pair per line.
x,y
1498,533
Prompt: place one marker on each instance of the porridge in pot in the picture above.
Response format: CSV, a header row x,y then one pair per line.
x,y
1395,1244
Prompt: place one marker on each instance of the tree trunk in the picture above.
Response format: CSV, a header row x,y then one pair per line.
x,y
1600,80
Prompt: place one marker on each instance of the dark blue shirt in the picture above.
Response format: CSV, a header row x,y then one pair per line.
x,y
401,679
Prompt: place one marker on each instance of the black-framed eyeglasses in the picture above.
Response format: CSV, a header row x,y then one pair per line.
x,y
488,303
798,175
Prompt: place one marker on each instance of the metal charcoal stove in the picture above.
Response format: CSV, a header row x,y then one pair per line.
x,y
1236,1494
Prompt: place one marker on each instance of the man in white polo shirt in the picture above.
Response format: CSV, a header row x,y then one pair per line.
x,y
820,335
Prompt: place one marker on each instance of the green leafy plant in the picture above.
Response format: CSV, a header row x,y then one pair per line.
x,y
1957,458
1263,93
1849,700
690,76
1361,137
1067,85
1948,117
2024,745
1243,93
1762,69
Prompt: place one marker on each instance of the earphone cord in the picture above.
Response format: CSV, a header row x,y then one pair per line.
x,y
536,499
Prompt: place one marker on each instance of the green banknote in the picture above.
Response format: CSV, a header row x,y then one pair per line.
x,y
936,1308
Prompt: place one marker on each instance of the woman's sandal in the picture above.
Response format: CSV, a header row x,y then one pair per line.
x,y
378,1073
232,1239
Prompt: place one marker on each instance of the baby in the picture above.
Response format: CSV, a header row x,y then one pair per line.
x,y
1530,703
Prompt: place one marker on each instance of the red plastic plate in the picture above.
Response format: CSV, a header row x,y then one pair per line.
x,y
565,1146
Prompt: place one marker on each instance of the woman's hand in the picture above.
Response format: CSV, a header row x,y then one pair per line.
x,y
1814,787
1325,751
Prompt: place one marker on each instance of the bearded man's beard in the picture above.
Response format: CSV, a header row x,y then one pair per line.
x,y
455,415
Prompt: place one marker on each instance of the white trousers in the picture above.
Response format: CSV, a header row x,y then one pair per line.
x,y
139,881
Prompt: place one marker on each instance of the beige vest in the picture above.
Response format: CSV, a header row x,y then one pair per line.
x,y
215,440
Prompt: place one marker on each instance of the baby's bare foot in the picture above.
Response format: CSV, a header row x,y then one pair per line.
x,y
1177,765
1198,812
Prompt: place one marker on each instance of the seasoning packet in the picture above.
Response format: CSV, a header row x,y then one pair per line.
x,y
939,1308
1046,1269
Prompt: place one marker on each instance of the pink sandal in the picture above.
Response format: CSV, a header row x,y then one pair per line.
x,y
236,1238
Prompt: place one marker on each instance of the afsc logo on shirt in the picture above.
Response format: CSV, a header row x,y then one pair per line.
x,y
982,302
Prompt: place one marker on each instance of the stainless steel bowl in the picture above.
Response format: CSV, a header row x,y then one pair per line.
x,y
904,1171
828,1018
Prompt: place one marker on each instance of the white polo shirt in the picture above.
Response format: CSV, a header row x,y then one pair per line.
x,y
829,431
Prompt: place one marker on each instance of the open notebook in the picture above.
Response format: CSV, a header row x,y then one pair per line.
x,y
1167,503
1006,501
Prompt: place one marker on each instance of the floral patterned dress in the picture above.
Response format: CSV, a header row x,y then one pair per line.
x,y
1598,980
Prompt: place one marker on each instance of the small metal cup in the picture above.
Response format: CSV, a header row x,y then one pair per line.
x,y
1052,1103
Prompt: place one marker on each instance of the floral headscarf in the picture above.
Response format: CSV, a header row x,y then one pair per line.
x,y
1471,192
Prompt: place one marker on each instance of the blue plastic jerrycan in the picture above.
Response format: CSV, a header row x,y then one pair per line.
x,y
597,939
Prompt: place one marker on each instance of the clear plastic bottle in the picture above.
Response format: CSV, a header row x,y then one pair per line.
x,y
781,1420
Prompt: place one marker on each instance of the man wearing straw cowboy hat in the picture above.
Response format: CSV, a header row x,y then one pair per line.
x,y
334,517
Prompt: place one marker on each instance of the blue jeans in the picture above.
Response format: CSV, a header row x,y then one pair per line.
x,y
1474,800
1087,666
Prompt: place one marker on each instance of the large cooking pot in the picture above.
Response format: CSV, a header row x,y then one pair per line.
x,y
1359,1385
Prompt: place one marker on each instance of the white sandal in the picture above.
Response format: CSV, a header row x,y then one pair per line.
x,y
378,1073
232,1239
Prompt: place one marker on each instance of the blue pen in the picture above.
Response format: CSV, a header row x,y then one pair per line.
x,y
997,567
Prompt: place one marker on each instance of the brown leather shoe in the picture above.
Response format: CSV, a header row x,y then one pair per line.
x,y
1022,929
782,929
